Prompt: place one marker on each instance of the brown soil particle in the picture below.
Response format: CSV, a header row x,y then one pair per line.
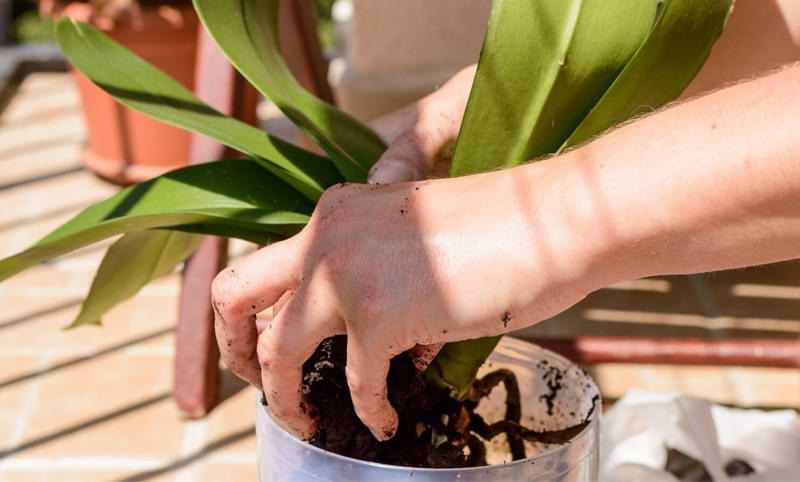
x,y
507,316
434,430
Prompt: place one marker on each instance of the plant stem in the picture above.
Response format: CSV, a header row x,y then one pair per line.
x,y
455,367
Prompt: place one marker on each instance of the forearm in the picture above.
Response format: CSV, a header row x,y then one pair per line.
x,y
707,185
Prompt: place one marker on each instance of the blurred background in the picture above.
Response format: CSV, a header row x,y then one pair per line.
x,y
97,403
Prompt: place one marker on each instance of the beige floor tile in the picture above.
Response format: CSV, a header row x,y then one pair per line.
x,y
144,319
113,406
234,420
228,473
56,475
17,400
76,190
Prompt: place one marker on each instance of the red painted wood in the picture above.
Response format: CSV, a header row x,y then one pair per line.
x,y
680,351
196,352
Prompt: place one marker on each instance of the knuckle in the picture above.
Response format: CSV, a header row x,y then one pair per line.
x,y
333,211
220,287
270,355
276,353
224,296
331,195
359,388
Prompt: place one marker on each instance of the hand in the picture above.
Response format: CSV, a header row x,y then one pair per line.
x,y
421,135
393,267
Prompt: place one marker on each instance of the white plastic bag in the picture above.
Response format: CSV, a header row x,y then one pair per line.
x,y
638,430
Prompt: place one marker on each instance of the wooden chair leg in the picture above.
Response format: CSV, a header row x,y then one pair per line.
x,y
196,352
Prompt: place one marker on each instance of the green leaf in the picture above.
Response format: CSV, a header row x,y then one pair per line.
x,y
142,87
226,197
129,264
247,31
663,66
457,364
544,65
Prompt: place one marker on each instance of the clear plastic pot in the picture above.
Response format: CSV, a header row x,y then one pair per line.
x,y
283,457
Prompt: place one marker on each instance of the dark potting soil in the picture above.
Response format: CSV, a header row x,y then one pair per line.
x,y
423,411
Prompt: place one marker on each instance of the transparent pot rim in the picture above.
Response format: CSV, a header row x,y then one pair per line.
x,y
519,346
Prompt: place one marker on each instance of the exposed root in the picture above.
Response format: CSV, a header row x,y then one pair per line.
x,y
513,415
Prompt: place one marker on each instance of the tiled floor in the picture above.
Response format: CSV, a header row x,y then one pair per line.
x,y
93,403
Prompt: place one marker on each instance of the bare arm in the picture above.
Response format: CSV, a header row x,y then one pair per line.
x,y
708,185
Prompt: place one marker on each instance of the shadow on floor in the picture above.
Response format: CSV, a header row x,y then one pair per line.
x,y
193,457
82,359
83,425
12,322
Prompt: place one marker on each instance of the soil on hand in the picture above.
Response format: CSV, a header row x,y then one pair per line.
x,y
434,429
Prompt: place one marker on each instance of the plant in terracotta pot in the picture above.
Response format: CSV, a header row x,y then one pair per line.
x,y
125,146
552,74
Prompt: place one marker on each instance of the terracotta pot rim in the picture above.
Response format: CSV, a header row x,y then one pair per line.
x,y
121,172
153,17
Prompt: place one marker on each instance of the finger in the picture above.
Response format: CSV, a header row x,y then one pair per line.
x,y
284,347
367,369
239,292
423,355
414,153
390,126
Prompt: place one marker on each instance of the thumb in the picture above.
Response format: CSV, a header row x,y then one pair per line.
x,y
413,154
389,170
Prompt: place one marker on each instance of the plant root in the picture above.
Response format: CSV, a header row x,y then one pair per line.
x,y
484,386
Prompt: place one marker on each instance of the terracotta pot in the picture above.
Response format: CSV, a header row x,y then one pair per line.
x,y
125,146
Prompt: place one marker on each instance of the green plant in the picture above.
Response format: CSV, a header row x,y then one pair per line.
x,y
552,74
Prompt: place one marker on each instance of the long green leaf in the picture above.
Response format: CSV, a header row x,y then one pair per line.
x,y
143,87
544,65
247,31
129,264
230,194
662,67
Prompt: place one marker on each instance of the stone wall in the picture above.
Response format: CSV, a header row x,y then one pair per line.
x,y
396,51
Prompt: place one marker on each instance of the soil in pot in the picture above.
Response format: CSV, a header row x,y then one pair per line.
x,y
435,430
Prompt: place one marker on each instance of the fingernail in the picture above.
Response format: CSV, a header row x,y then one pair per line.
x,y
388,431
391,171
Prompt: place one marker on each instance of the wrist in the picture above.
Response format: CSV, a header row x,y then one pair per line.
x,y
579,219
